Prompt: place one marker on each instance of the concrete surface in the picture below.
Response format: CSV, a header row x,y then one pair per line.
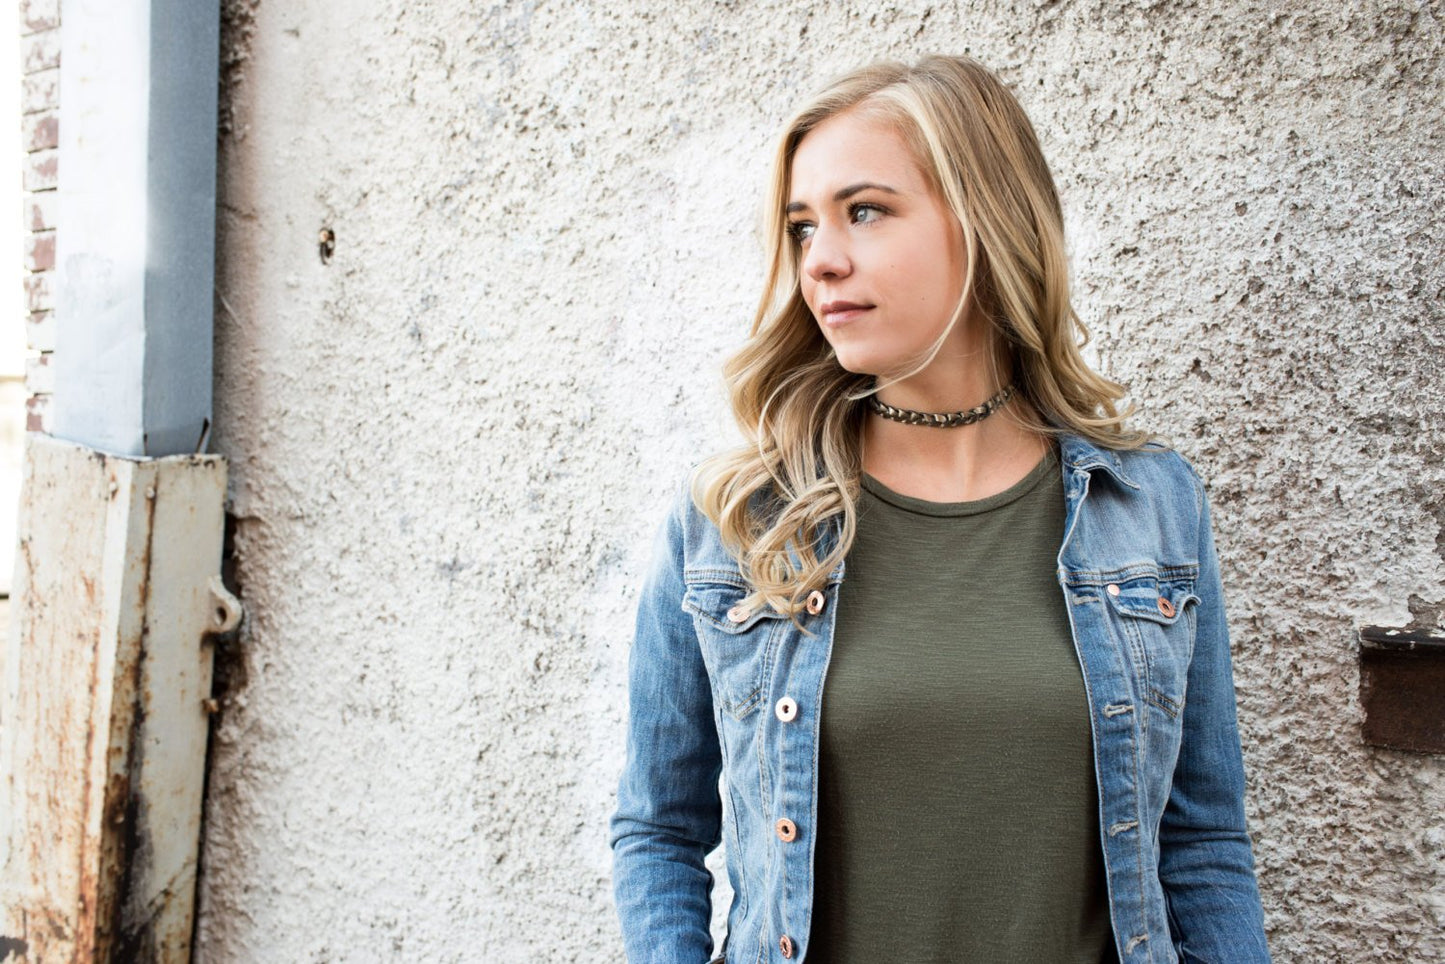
x,y
450,443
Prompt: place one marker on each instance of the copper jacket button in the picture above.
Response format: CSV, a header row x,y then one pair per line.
x,y
737,614
1113,589
786,709
816,602
1166,607
787,830
785,945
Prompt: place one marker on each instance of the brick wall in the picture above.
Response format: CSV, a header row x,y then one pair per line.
x,y
40,139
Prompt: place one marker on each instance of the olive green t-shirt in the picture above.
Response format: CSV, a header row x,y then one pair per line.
x,y
957,812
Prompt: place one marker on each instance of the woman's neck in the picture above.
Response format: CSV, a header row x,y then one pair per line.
x,y
958,464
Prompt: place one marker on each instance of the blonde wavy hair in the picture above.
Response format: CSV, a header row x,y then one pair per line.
x,y
785,503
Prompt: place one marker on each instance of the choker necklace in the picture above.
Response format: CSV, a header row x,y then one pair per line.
x,y
941,419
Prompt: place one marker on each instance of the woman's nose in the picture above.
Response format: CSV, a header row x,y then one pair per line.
x,y
827,255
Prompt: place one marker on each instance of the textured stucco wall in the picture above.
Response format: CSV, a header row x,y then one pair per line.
x,y
450,445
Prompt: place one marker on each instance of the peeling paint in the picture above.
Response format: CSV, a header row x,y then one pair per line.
x,y
103,728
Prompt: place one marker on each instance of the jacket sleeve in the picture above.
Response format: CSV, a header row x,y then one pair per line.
x,y
1205,865
668,809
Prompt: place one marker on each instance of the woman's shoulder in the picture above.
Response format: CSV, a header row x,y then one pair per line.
x,y
1155,469
1159,461
697,542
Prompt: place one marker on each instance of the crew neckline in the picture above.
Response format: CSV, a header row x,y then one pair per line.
x,y
1046,466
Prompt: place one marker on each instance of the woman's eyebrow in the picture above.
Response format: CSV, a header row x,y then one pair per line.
x,y
845,193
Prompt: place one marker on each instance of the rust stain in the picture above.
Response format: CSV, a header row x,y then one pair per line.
x,y
107,877
89,884
117,791
59,926
124,933
90,743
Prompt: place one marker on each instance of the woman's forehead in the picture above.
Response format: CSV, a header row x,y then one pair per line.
x,y
848,149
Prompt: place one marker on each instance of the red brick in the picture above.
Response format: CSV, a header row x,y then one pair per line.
x,y
40,291
37,414
40,51
40,251
40,331
42,170
36,15
40,210
40,91
39,132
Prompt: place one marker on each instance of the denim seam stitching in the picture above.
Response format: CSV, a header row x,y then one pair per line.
x,y
1139,851
740,888
1172,572
706,575
1170,708
769,662
723,624
1140,658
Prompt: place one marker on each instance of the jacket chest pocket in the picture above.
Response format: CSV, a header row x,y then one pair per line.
x,y
737,643
1154,616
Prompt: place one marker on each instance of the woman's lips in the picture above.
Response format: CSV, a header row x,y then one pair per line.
x,y
836,313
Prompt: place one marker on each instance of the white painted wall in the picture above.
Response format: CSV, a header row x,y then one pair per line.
x,y
450,445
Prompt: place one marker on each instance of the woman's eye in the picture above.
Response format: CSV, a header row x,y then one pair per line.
x,y
866,213
801,230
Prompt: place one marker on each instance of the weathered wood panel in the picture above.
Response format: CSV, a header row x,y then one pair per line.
x,y
102,718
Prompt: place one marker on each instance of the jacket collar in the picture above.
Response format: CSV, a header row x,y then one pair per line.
x,y
1081,455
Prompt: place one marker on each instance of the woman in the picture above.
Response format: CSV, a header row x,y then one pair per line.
x,y
1027,750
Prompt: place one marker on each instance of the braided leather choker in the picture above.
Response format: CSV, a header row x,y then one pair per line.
x,y
941,419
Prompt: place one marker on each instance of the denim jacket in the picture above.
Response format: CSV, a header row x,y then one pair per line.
x,y
716,690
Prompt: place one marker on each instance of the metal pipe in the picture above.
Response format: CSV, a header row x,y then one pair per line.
x,y
135,241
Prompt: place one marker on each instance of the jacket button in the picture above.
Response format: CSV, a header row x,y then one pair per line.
x,y
816,602
787,830
786,709
737,614
1166,607
785,946
1112,589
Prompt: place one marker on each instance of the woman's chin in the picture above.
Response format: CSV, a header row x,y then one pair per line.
x,y
859,363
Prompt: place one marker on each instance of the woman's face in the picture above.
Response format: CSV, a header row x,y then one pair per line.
x,y
882,258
